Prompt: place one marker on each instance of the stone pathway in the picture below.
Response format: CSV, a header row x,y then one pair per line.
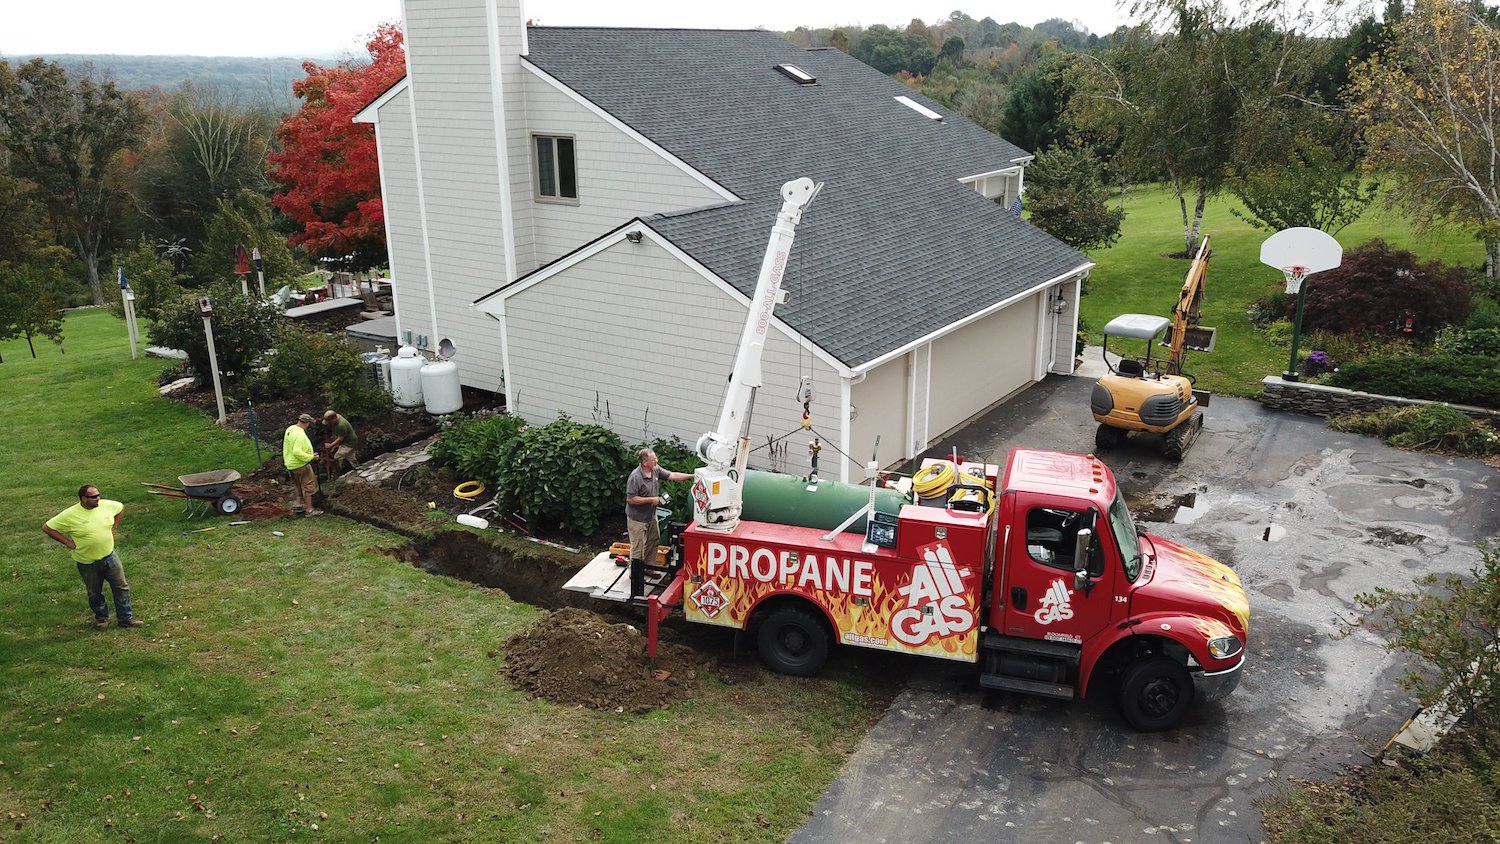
x,y
392,463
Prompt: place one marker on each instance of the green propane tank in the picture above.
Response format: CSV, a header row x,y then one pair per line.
x,y
790,500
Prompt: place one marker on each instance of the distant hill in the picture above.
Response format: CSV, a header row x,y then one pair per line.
x,y
250,80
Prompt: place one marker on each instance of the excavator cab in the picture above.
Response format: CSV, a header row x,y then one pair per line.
x,y
1141,393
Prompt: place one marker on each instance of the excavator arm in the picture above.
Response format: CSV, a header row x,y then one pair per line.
x,y
1186,333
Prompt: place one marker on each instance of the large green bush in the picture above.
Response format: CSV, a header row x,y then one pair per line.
x,y
470,445
1460,379
150,277
309,363
563,474
244,327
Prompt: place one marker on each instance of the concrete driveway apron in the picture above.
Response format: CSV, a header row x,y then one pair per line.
x,y
1308,517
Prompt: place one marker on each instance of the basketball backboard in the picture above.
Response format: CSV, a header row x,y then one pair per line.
x,y
1310,249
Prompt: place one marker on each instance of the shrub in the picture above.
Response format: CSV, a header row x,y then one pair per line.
x,y
1385,289
151,277
1427,426
1279,333
1349,346
1461,379
1479,341
470,445
563,474
1456,632
1484,313
308,363
244,329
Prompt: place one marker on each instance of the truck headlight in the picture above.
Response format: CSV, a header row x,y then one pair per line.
x,y
1224,647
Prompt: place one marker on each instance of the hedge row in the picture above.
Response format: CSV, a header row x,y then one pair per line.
x,y
1459,379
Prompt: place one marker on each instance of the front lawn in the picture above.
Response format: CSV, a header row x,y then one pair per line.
x,y
308,686
1135,275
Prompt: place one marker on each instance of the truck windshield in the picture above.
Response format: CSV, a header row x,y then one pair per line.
x,y
1129,541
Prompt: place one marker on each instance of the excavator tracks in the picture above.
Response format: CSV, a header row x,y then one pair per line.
x,y
1176,442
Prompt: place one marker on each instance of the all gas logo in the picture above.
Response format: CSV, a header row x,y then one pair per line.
x,y
709,599
937,602
1055,605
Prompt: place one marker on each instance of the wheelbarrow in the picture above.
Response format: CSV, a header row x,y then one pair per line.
x,y
216,488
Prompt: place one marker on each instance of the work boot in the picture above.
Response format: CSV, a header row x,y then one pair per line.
x,y
101,623
134,622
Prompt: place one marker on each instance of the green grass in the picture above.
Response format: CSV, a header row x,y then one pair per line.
x,y
286,683
1135,275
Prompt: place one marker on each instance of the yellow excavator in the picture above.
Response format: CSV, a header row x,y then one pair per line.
x,y
1156,395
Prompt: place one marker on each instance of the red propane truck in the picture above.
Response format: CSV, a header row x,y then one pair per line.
x,y
1034,571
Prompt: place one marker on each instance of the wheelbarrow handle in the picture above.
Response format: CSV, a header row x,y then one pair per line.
x,y
163,486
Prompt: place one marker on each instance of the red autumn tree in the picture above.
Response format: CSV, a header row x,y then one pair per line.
x,y
327,164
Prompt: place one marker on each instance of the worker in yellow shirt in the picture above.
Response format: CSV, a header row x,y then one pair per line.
x,y
88,530
297,454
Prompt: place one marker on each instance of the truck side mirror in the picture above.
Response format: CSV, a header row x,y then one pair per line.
x,y
1081,544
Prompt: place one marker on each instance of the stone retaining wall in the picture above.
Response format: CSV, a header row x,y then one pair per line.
x,y
1323,400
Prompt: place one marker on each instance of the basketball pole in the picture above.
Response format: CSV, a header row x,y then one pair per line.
x,y
1291,366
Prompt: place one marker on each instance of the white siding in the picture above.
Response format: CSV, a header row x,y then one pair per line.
x,y
880,404
403,222
448,48
618,177
634,340
982,363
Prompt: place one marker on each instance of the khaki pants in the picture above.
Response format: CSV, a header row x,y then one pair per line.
x,y
644,537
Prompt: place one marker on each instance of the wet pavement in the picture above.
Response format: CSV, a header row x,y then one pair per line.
x,y
1309,518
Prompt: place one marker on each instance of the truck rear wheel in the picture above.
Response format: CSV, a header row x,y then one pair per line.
x,y
1155,693
792,642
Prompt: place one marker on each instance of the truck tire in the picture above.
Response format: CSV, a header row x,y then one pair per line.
x,y
1155,693
1107,438
792,642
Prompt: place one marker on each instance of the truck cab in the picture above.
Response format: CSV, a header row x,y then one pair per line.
x,y
1080,594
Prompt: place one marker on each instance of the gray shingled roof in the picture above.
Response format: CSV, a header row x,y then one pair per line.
x,y
894,247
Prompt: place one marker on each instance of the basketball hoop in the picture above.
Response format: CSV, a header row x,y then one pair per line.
x,y
1294,277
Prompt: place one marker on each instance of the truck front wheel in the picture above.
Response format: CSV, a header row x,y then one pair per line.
x,y
792,642
1155,693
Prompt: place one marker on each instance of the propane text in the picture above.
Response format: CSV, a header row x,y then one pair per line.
x,y
811,571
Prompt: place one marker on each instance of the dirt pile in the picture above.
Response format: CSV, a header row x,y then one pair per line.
x,y
579,658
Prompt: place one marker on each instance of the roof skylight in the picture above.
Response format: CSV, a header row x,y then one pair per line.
x,y
796,74
920,109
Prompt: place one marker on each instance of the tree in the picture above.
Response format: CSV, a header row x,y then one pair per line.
x,y
203,147
243,220
27,308
1312,185
66,134
1172,105
1430,106
1038,99
1066,197
327,164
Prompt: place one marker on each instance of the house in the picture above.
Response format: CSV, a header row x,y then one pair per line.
x,y
580,215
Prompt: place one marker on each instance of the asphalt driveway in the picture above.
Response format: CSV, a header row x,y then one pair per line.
x,y
1309,518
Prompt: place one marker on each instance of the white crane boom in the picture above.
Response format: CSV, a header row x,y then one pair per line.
x,y
717,499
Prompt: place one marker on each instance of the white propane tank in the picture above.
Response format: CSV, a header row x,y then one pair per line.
x,y
441,388
406,378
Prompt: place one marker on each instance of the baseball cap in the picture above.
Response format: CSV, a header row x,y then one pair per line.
x,y
304,418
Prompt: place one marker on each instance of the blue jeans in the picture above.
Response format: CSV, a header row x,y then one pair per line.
x,y
95,575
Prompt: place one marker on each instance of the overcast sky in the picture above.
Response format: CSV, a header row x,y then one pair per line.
x,y
328,28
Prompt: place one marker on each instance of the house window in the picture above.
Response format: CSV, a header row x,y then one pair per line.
x,y
556,169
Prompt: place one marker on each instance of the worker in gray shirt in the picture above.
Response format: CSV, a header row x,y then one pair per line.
x,y
642,497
